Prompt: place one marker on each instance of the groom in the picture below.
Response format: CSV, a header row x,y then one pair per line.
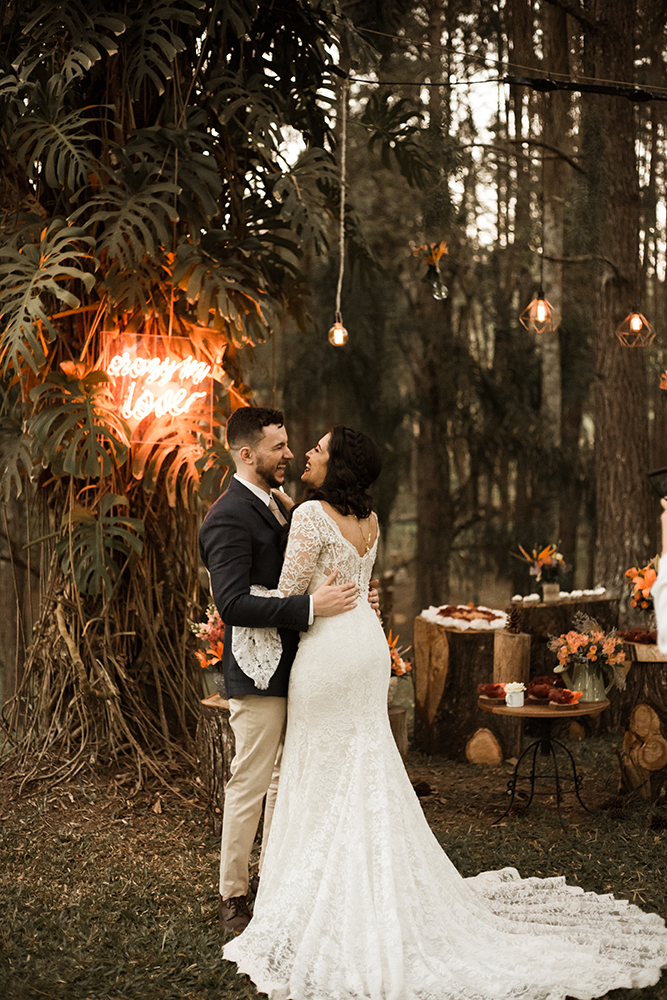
x,y
241,544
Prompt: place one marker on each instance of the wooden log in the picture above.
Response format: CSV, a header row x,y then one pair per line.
x,y
484,748
214,743
511,657
643,755
511,662
398,720
448,667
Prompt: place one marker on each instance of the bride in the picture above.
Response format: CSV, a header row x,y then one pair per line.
x,y
357,899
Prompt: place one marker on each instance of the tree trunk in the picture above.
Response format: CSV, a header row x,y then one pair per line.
x,y
554,179
621,420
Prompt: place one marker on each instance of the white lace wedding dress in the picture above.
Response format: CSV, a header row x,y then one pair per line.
x,y
358,901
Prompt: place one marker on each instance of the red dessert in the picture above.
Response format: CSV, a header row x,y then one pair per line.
x,y
491,690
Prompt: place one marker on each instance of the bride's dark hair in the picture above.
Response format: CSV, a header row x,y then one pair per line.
x,y
354,463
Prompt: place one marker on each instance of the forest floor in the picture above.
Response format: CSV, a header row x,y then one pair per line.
x,y
111,892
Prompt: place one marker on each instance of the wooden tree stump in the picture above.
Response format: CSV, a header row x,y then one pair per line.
x,y
398,720
511,662
215,746
643,755
448,666
511,657
484,748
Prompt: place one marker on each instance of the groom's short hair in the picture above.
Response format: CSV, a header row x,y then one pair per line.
x,y
246,425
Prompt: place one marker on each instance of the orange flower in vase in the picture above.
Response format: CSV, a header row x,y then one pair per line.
x,y
640,581
399,665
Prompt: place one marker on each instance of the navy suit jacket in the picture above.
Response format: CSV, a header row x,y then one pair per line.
x,y
240,543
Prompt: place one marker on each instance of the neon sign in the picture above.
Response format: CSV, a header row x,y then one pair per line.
x,y
140,402
157,377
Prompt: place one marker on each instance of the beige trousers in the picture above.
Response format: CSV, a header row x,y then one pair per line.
x,y
258,724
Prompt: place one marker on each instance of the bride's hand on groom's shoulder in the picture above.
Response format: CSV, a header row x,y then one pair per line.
x,y
330,599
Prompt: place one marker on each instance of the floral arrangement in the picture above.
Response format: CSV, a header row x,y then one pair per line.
x,y
640,581
399,665
545,564
663,382
589,645
210,633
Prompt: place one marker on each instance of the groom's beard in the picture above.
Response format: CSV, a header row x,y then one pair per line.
x,y
268,473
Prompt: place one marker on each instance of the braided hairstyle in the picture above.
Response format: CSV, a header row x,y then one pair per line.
x,y
354,463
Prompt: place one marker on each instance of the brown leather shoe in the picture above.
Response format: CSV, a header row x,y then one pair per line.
x,y
233,914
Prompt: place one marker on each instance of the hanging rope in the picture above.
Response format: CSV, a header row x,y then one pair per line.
x,y
343,169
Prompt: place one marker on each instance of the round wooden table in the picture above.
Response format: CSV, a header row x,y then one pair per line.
x,y
544,714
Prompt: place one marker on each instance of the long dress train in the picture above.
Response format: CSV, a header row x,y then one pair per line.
x,y
358,901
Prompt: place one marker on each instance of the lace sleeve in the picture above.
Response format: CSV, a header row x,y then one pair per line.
x,y
303,548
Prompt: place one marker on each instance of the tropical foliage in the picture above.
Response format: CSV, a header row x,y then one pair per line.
x,y
148,200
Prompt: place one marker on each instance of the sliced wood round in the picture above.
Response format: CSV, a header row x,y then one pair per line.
x,y
484,748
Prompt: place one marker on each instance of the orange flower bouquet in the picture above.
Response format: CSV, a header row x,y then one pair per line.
x,y
640,581
545,564
399,665
210,633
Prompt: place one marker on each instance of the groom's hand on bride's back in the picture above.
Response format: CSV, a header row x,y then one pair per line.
x,y
330,599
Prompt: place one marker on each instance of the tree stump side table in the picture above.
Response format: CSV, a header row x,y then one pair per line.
x,y
215,744
449,665
643,715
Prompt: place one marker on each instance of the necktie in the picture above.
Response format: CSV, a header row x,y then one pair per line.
x,y
276,511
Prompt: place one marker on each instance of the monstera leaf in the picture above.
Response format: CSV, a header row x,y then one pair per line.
x,y
32,275
92,539
15,460
77,425
170,457
152,42
84,29
54,139
213,465
223,284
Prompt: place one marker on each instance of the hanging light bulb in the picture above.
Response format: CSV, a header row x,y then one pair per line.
x,y
540,316
635,330
338,334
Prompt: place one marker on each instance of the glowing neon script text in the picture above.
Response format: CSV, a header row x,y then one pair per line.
x,y
161,371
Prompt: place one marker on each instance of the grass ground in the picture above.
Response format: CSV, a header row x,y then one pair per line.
x,y
108,892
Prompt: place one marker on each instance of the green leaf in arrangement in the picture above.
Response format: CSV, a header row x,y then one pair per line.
x,y
93,541
34,276
77,425
15,458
